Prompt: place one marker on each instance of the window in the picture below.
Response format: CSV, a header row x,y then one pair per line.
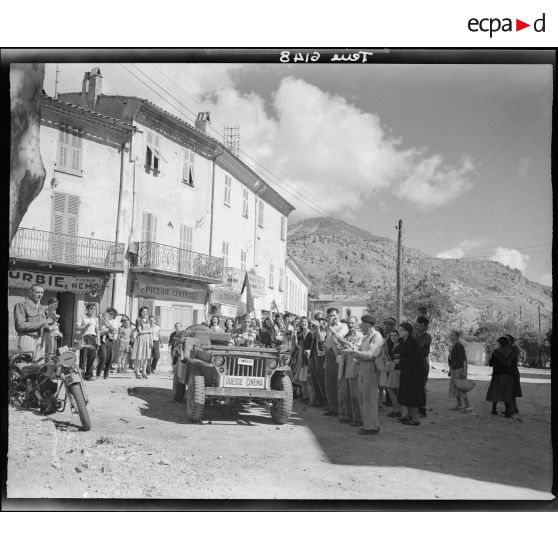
x,y
225,254
149,227
271,271
186,234
153,155
245,203
227,190
188,176
283,227
243,260
69,149
281,273
260,213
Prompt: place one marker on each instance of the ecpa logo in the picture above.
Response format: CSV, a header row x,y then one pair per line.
x,y
494,24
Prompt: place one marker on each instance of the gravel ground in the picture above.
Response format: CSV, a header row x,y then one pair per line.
x,y
141,446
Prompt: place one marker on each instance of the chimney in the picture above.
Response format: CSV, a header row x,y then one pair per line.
x,y
95,87
202,121
91,88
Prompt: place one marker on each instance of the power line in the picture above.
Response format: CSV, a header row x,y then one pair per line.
x,y
297,194
487,144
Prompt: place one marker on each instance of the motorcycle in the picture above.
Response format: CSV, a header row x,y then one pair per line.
x,y
47,384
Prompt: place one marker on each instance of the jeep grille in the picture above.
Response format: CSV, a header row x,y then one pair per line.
x,y
232,368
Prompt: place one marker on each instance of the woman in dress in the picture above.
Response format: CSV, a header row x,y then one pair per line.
x,y
214,324
501,384
412,376
141,351
229,326
515,374
304,344
392,386
88,329
457,361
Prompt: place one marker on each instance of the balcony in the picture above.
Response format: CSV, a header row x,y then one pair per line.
x,y
160,258
47,247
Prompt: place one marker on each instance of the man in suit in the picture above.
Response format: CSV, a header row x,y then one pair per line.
x,y
317,359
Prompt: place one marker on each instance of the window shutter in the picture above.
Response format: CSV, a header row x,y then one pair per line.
x,y
58,212
72,215
192,168
63,146
76,150
153,227
149,137
149,227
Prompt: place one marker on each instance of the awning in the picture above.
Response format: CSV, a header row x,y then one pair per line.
x,y
148,286
157,152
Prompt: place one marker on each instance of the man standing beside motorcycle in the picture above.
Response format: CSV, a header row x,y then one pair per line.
x,y
30,322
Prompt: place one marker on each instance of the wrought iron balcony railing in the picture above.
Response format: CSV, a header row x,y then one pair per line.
x,y
161,257
46,246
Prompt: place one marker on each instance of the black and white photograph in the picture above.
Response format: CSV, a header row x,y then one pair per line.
x,y
311,275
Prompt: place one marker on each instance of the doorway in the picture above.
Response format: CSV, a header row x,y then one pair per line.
x,y
66,309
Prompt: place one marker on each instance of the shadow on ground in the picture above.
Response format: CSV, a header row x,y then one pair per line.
x,y
160,405
477,446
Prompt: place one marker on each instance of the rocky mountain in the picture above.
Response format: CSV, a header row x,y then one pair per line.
x,y
342,259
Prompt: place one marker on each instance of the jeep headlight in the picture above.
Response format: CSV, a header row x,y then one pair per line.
x,y
218,361
272,364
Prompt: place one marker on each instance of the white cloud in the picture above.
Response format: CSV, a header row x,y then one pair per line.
x,y
455,252
462,248
327,146
511,257
546,279
330,150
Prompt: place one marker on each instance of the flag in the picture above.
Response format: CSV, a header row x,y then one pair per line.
x,y
249,299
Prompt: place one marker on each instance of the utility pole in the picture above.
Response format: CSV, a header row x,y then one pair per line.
x,y
399,272
539,319
56,82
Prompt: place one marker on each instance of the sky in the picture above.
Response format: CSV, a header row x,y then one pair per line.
x,y
461,153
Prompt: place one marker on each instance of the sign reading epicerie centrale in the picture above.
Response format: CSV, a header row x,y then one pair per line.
x,y
55,281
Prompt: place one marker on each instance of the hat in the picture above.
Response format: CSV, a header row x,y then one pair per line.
x,y
368,318
390,319
332,309
319,316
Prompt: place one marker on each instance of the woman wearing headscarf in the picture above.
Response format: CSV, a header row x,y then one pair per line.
x,y
515,374
501,384
457,361
412,376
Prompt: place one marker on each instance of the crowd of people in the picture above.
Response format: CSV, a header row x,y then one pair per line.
x,y
352,370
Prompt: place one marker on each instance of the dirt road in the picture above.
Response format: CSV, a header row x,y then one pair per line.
x,y
141,446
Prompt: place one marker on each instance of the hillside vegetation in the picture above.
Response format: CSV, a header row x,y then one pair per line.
x,y
342,259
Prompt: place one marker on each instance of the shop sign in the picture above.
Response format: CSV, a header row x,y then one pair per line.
x,y
151,287
257,284
226,296
57,282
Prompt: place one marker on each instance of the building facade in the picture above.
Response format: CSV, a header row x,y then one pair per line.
x,y
194,218
296,289
67,240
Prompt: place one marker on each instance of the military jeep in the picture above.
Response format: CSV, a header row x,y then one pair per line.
x,y
211,367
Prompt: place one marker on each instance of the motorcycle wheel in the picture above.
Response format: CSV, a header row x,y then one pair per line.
x,y
16,388
76,392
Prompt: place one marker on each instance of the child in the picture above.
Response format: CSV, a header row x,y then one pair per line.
x,y
123,344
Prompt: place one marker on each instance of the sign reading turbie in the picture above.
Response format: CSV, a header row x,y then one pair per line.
x,y
56,282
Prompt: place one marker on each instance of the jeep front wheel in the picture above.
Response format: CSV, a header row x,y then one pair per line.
x,y
195,398
281,408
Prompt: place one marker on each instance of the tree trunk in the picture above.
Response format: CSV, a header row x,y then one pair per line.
x,y
27,173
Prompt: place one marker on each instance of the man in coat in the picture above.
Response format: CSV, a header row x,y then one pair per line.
x,y
30,320
370,348
334,330
349,409
316,361
425,340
